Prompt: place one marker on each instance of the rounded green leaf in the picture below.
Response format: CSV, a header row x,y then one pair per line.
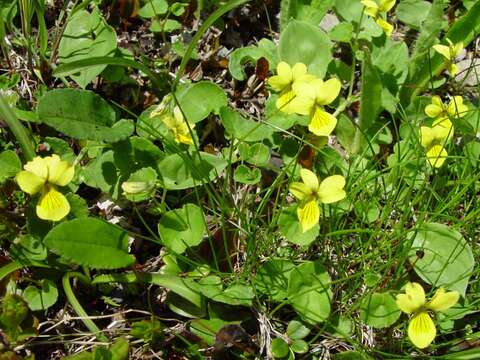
x,y
90,242
153,8
308,44
10,165
289,227
379,310
200,99
272,278
296,330
309,292
182,228
299,346
82,114
442,257
279,348
413,12
86,36
245,175
41,298
140,186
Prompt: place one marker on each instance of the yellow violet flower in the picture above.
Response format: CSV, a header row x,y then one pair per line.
x,y
440,111
433,140
450,53
374,8
174,121
311,191
421,328
310,99
44,175
284,80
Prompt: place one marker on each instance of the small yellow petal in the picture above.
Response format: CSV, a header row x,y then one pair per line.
x,y
371,8
435,108
421,330
283,78
309,179
38,166
457,49
322,123
427,136
437,155
29,182
385,25
415,297
443,300
52,205
456,108
298,71
386,5
331,189
308,215
443,50
327,91
405,304
59,172
299,190
452,69
284,100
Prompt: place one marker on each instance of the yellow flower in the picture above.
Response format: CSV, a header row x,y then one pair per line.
x,y
311,191
450,53
440,111
284,80
43,175
178,125
421,328
310,98
374,8
433,140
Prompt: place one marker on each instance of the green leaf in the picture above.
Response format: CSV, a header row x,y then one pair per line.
x,y
200,99
379,310
296,330
82,114
10,165
235,294
207,328
244,129
119,350
78,206
27,248
148,178
250,54
245,175
299,346
90,242
309,292
272,278
370,102
257,154
302,42
153,8
86,35
342,32
101,173
310,11
413,12
349,10
289,227
179,173
442,257
279,348
183,228
41,298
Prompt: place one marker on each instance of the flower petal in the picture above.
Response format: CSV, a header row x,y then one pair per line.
x,y
284,101
322,123
456,108
299,190
29,182
452,69
413,299
427,136
331,189
308,215
385,25
437,155
371,7
421,330
283,78
443,300
309,179
59,172
298,70
386,5
442,50
52,205
38,166
435,108
327,91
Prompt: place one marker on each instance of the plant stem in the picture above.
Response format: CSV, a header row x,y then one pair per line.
x,y
77,307
19,131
